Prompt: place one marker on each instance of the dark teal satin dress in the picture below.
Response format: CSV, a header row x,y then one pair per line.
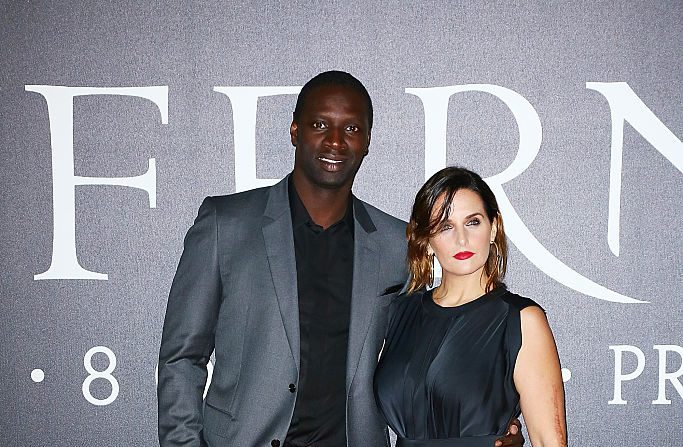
x,y
444,378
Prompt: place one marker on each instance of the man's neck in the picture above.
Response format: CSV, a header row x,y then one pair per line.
x,y
325,206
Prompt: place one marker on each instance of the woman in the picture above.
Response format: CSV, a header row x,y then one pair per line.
x,y
461,359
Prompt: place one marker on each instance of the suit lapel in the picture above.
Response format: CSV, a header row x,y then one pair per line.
x,y
279,240
364,288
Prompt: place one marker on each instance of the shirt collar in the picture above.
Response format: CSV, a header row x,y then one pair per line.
x,y
300,214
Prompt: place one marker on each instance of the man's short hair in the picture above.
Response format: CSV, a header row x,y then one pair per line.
x,y
327,78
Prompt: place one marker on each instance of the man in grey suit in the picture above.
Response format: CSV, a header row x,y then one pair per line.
x,y
289,285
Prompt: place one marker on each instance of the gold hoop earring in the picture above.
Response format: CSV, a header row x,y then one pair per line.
x,y
498,265
431,271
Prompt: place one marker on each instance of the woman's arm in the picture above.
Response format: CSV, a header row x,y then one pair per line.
x,y
538,380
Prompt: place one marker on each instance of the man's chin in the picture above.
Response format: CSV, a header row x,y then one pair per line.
x,y
332,182
331,185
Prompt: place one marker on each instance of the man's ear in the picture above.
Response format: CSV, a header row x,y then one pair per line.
x,y
294,132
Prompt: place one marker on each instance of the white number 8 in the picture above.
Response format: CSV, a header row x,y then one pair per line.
x,y
106,375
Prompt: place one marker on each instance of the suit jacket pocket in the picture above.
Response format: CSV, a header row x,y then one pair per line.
x,y
217,421
392,290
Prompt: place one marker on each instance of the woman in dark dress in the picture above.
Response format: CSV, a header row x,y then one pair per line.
x,y
461,360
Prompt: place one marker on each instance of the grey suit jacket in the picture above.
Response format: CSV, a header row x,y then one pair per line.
x,y
235,292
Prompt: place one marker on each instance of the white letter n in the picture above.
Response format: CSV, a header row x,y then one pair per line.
x,y
59,101
625,105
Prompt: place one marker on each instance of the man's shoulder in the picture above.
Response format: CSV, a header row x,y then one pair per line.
x,y
384,221
242,197
240,203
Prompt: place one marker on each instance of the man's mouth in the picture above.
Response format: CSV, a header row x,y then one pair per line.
x,y
330,160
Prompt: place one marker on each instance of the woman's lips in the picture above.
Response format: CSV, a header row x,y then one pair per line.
x,y
463,255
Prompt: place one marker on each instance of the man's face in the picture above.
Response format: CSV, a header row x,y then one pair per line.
x,y
331,136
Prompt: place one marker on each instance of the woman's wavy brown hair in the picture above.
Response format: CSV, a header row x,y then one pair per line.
x,y
425,221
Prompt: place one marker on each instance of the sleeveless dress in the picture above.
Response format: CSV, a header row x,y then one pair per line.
x,y
444,378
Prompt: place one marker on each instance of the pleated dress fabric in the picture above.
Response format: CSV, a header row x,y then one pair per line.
x,y
445,375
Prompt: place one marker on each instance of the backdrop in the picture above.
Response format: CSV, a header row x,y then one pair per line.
x,y
117,118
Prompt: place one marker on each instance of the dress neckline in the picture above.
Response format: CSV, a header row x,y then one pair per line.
x,y
432,308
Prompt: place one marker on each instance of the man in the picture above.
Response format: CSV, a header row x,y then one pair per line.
x,y
289,285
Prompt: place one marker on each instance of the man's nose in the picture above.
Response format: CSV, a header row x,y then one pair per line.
x,y
335,137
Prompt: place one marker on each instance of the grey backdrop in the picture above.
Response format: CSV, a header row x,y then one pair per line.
x,y
544,52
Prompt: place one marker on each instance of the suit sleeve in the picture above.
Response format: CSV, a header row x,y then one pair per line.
x,y
188,335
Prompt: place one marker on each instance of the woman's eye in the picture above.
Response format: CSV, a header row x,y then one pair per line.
x,y
473,222
445,227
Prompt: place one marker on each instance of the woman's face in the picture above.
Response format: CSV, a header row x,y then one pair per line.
x,y
463,241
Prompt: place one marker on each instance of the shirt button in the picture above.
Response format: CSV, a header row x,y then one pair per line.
x,y
292,387
275,443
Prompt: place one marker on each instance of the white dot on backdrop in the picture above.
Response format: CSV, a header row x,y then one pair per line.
x,y
37,375
566,375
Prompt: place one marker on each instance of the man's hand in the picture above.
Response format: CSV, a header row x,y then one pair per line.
x,y
513,437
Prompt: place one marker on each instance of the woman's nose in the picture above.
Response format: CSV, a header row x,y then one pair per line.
x,y
461,237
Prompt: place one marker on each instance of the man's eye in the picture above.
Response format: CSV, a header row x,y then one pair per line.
x,y
352,128
319,125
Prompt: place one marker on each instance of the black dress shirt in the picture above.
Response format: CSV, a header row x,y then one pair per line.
x,y
324,271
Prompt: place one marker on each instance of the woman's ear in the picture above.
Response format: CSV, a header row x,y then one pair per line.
x,y
494,229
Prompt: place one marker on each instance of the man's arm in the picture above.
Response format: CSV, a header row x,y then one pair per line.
x,y
188,335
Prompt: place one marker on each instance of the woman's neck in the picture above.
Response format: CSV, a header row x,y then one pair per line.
x,y
457,290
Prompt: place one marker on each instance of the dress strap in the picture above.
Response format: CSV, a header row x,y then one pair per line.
x,y
470,441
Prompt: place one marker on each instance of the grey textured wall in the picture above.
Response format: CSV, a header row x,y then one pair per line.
x,y
566,256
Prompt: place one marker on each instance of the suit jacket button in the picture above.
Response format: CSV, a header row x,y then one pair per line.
x,y
292,387
275,443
